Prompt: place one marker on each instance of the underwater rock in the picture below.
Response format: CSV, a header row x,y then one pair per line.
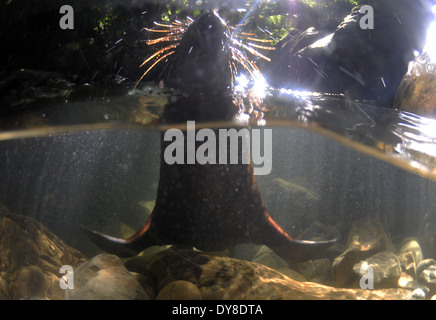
x,y
125,230
428,237
140,263
246,251
104,277
145,283
148,206
138,266
386,268
292,274
25,241
367,237
416,92
179,290
407,262
412,245
31,282
417,294
424,264
407,281
227,278
426,272
29,249
4,290
269,258
319,271
410,255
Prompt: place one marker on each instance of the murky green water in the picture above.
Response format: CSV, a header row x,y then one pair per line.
x,y
81,150
338,166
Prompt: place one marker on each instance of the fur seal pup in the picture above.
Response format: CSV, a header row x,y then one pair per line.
x,y
211,206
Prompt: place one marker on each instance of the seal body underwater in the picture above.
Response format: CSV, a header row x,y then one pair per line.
x,y
209,206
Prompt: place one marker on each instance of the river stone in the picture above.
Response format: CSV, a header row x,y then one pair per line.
x,y
28,247
417,294
406,281
407,262
179,290
290,273
4,290
104,277
416,92
426,272
145,283
386,267
31,282
412,245
245,251
410,255
269,258
148,206
318,271
25,241
428,237
366,238
224,278
424,264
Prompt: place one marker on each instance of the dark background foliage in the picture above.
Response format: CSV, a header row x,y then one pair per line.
x,y
108,35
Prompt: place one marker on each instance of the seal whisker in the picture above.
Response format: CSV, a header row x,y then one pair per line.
x,y
232,72
235,26
165,39
243,61
247,33
171,31
260,47
175,26
152,66
255,52
261,40
172,46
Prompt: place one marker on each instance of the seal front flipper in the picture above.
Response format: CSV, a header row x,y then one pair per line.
x,y
300,250
289,249
123,248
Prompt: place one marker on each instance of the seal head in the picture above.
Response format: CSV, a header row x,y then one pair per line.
x,y
201,61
